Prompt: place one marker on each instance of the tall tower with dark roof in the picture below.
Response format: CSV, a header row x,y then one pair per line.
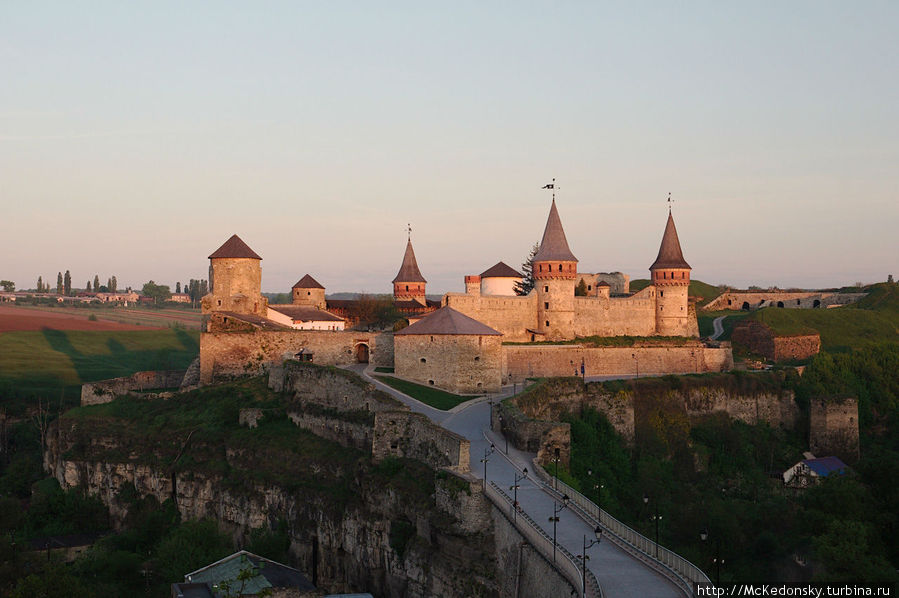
x,y
555,273
235,280
671,278
409,284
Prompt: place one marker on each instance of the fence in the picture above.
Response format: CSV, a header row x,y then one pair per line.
x,y
672,565
540,540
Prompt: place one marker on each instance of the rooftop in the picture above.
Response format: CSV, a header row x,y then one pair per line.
x,y
302,313
447,320
554,246
307,282
670,254
409,271
501,270
234,248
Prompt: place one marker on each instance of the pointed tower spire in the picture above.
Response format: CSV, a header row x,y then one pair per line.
x,y
554,246
409,271
409,284
670,254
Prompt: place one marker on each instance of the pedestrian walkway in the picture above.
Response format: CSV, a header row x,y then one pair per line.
x,y
619,574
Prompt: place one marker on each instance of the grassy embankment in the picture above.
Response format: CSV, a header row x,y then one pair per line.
x,y
871,321
436,398
48,362
172,316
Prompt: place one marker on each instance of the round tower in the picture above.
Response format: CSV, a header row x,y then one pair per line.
x,y
671,279
555,275
309,293
235,280
409,284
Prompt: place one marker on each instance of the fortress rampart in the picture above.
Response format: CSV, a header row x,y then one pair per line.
x,y
692,357
225,355
104,391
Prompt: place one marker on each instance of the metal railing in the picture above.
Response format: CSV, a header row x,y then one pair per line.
x,y
540,540
672,565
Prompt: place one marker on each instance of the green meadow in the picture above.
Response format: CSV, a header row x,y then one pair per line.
x,y
51,363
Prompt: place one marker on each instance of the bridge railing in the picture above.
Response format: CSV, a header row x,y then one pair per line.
x,y
566,563
672,565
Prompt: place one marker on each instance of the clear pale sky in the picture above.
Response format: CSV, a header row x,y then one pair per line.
x,y
136,138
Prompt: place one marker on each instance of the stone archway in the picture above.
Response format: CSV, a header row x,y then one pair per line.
x,y
362,353
780,304
745,306
817,303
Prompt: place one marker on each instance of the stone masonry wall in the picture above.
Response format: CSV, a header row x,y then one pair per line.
x,y
351,434
526,361
533,435
760,339
458,363
512,316
833,429
105,391
616,316
796,347
413,435
227,355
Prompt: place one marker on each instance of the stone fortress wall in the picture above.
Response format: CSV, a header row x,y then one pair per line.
x,y
797,300
104,391
833,429
616,316
760,339
512,316
691,357
464,363
226,355
340,406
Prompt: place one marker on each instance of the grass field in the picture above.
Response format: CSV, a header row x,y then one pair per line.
x,y
436,398
166,317
48,362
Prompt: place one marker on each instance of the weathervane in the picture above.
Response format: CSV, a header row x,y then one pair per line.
x,y
409,231
669,202
552,186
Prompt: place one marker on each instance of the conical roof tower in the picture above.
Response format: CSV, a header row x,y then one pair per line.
x,y
554,245
670,254
409,284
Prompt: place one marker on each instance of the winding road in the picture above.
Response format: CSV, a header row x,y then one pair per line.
x,y
619,574
718,327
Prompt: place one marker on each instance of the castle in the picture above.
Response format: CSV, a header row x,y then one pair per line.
x,y
473,341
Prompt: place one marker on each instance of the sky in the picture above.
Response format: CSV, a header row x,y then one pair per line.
x,y
135,138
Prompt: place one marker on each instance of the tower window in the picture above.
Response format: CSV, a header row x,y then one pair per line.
x,y
540,266
423,360
547,323
545,289
589,287
560,267
661,293
308,292
407,287
477,358
546,305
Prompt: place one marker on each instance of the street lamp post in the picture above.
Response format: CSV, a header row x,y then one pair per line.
x,y
655,518
556,459
597,487
555,519
487,453
704,535
518,478
584,558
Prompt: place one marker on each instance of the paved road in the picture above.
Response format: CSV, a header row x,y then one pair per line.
x,y
718,326
619,574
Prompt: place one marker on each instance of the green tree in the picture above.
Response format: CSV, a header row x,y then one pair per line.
x,y
190,546
96,282
113,285
59,285
8,285
40,284
159,292
581,289
178,287
526,285
87,286
67,283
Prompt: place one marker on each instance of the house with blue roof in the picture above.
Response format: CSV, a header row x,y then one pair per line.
x,y
811,470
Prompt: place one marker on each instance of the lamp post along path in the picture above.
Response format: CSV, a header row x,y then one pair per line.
x,y
597,531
